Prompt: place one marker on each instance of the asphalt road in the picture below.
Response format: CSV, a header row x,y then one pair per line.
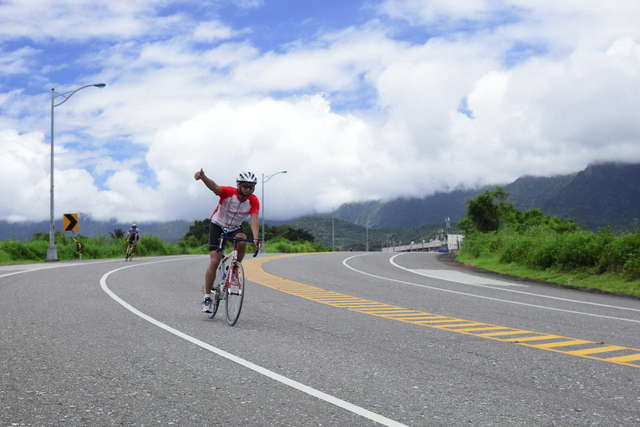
x,y
337,339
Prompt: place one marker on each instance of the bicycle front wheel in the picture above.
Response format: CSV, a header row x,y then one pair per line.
x,y
215,303
235,294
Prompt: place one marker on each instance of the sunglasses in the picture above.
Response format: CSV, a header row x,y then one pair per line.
x,y
248,186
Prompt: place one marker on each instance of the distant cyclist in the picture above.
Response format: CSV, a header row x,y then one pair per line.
x,y
235,205
132,237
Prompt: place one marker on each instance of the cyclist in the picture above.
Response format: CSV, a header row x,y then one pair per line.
x,y
234,206
132,237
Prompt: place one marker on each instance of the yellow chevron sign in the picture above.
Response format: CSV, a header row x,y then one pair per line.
x,y
70,222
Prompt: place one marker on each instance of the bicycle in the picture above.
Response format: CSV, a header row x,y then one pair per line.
x,y
230,284
131,249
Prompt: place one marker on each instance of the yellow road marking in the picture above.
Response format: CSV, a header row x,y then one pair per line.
x,y
597,350
628,358
255,273
389,312
499,334
466,324
561,344
536,338
437,321
489,328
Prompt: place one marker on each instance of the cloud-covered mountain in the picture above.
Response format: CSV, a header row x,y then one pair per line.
x,y
600,195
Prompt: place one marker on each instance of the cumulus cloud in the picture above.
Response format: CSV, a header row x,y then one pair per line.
x,y
302,136
79,19
212,30
24,168
428,11
207,96
16,61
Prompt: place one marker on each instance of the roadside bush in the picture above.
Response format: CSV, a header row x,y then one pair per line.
x,y
578,249
24,251
66,252
5,257
544,253
149,245
286,246
631,270
475,244
618,252
516,249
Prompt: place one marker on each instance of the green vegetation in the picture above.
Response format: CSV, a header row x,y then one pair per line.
x,y
534,245
91,247
279,239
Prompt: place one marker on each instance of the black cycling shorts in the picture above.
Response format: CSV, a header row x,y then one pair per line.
x,y
215,231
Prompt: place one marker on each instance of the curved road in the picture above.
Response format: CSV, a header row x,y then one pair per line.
x,y
324,339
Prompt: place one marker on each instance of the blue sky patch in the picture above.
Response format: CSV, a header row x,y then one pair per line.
x,y
463,108
521,51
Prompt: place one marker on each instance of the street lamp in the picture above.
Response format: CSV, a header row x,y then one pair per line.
x,y
366,248
265,179
333,233
52,252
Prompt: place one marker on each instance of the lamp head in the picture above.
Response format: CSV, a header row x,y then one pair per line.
x,y
100,84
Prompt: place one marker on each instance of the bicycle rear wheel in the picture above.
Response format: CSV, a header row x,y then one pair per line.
x,y
235,294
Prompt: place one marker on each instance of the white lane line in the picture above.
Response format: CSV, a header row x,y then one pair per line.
x,y
257,368
392,261
31,268
459,277
344,262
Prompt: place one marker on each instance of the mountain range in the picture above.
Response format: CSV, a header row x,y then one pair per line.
x,y
600,195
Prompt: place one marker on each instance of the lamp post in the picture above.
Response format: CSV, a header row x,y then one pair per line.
x,y
52,252
366,229
265,179
333,233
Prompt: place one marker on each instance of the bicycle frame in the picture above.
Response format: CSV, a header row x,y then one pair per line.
x,y
230,280
231,258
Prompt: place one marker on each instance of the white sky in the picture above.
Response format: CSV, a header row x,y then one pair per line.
x,y
406,98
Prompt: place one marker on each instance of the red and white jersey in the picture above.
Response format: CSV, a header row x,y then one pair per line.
x,y
231,212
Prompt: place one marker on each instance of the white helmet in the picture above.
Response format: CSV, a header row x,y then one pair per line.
x,y
247,177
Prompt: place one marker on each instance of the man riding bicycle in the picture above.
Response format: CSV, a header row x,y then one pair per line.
x,y
132,237
235,204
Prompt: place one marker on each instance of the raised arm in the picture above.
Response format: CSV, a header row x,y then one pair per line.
x,y
211,184
255,228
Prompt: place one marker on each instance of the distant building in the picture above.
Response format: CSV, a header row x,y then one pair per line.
x,y
454,241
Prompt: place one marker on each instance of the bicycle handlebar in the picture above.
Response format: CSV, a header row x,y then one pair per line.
x,y
238,239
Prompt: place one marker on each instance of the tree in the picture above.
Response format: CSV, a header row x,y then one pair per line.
x,y
487,210
198,233
117,234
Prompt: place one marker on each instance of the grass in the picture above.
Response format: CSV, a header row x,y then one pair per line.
x,y
18,252
579,278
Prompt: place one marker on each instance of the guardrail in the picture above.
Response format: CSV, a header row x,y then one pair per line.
x,y
433,245
453,242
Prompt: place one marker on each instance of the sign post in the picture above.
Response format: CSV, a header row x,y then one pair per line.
x,y
70,223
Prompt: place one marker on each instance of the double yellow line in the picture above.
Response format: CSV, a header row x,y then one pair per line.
x,y
617,354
